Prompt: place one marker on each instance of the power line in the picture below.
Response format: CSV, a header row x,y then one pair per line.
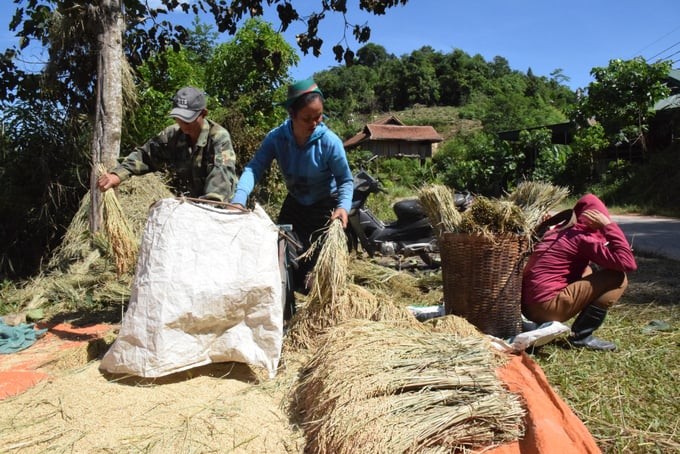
x,y
666,49
668,57
656,41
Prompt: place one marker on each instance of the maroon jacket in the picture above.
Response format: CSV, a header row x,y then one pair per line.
x,y
562,256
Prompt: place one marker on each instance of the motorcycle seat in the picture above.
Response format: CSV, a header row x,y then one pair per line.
x,y
409,210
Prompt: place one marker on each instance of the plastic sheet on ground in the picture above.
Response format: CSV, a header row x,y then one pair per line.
x,y
551,426
207,289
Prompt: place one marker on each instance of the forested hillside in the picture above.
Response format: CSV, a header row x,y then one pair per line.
x,y
488,91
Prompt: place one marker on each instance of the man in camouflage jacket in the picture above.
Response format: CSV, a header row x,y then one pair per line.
x,y
196,152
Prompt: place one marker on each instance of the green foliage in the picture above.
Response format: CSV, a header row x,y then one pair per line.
x,y
480,163
551,164
348,90
44,166
486,91
543,160
246,72
622,96
587,146
651,187
246,75
406,172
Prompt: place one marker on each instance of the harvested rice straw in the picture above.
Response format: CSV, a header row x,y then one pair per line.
x,y
356,302
397,283
364,272
490,217
332,298
454,324
440,207
536,199
419,422
122,242
379,387
76,271
330,270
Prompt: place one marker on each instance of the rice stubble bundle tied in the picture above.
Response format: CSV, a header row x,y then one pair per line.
x,y
440,207
380,387
121,243
333,298
536,199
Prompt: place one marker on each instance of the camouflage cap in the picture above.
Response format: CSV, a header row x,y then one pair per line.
x,y
188,104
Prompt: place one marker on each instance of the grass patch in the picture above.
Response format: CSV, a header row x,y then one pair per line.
x,y
628,398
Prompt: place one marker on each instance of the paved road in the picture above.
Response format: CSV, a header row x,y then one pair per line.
x,y
652,234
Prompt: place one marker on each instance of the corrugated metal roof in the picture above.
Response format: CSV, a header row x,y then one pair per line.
x,y
672,102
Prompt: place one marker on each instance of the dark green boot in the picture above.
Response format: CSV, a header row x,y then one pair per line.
x,y
590,319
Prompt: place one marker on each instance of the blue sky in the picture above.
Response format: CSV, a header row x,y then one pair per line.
x,y
543,35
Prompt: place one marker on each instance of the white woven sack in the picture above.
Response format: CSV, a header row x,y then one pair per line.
x,y
207,289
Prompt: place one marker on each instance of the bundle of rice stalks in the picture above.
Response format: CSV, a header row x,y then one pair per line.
x,y
376,387
136,195
490,217
536,199
440,207
122,244
330,270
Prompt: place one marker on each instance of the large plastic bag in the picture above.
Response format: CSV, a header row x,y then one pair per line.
x,y
207,289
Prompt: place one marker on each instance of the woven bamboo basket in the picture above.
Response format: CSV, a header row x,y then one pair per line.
x,y
483,280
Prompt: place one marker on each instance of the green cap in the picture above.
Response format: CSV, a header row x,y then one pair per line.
x,y
299,88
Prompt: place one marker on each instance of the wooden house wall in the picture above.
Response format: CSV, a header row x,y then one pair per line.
x,y
396,148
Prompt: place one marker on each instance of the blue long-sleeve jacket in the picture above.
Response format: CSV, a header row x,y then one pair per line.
x,y
312,172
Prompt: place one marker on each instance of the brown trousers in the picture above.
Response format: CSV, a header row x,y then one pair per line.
x,y
602,288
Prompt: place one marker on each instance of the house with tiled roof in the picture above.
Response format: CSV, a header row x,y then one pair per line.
x,y
390,137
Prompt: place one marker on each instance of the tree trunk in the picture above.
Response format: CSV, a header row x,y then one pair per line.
x,y
109,109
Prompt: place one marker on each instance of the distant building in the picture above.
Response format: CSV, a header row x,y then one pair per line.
x,y
664,128
561,133
390,137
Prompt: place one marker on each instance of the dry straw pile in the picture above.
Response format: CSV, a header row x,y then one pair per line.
x,y
376,387
440,206
333,298
519,212
93,272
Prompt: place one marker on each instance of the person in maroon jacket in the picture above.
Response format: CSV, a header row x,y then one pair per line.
x,y
560,282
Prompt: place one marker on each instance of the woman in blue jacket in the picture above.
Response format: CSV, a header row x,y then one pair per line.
x,y
314,166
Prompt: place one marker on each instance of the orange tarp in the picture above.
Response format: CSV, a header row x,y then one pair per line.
x,y
551,426
21,370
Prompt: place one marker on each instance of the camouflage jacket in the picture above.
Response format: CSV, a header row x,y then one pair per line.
x,y
208,170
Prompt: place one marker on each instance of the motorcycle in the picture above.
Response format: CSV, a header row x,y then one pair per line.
x,y
411,235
